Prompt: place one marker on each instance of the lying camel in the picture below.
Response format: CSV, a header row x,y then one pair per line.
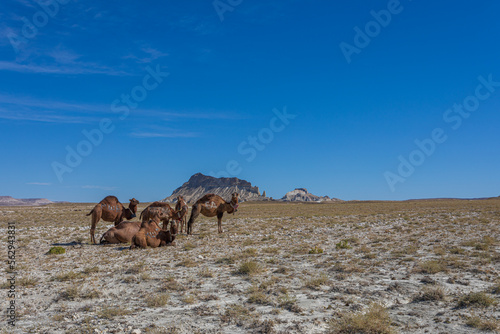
x,y
212,205
121,233
150,234
111,210
125,231
181,210
162,209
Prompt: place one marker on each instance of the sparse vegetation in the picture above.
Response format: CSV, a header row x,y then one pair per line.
x,y
432,267
482,323
343,244
56,250
430,294
315,250
269,262
158,300
476,299
249,268
109,312
374,321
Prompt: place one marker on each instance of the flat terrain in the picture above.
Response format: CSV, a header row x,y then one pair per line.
x,y
402,267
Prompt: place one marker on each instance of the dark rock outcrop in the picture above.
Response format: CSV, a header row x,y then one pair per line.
x,y
199,185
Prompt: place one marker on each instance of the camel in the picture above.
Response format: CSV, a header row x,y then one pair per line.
x,y
212,205
163,209
181,210
111,210
121,233
150,234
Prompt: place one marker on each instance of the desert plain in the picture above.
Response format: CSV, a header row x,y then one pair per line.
x,y
424,266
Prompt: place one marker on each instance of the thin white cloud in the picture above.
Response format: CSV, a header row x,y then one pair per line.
x,y
45,118
39,183
146,54
39,110
27,101
85,68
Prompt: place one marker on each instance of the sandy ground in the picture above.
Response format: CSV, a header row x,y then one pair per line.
x,y
277,268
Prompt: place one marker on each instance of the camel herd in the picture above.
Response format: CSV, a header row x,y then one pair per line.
x,y
147,232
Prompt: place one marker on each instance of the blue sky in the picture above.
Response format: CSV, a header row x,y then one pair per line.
x,y
169,89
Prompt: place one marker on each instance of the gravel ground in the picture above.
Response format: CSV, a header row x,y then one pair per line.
x,y
277,268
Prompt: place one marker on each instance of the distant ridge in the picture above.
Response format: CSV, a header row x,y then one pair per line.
x,y
199,185
10,201
302,195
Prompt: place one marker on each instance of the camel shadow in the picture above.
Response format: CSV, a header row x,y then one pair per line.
x,y
72,243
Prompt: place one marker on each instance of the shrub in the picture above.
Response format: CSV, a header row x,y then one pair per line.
x,y
56,250
482,324
258,298
479,299
344,244
375,321
158,300
430,294
111,312
289,303
315,283
68,276
189,246
249,268
316,250
431,267
70,293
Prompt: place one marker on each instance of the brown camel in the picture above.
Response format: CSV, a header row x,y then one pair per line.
x,y
150,234
121,233
160,208
212,205
111,210
181,210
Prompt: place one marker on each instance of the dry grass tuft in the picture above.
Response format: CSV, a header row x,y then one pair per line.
x,y
249,268
158,300
476,299
483,324
430,294
374,321
431,267
109,312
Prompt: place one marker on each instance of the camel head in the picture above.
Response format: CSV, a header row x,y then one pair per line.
x,y
133,207
234,202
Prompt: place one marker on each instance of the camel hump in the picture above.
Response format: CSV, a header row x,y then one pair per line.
x,y
208,197
110,200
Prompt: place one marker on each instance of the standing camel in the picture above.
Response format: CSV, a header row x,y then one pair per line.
x,y
111,210
155,208
181,210
212,205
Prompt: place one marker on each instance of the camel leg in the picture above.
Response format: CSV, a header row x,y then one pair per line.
x,y
219,221
183,224
195,212
96,216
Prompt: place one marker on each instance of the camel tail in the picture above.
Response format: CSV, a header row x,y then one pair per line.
x,y
88,214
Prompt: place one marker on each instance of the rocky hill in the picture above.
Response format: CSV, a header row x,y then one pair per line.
x,y
199,185
10,201
302,195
